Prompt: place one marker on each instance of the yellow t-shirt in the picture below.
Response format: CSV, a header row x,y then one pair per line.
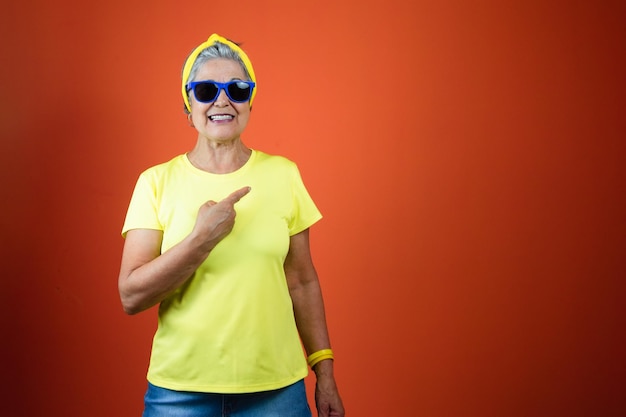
x,y
230,328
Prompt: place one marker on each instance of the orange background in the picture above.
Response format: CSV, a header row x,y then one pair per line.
x,y
468,158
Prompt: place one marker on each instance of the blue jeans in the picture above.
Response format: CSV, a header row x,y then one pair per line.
x,y
290,401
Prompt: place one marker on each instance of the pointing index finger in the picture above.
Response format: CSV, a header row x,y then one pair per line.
x,y
235,196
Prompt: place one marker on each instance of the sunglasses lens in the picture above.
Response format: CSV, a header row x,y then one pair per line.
x,y
205,92
239,91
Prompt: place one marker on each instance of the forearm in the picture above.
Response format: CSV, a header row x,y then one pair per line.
x,y
310,315
308,306
310,318
153,281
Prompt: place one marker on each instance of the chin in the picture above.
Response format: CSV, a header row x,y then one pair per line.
x,y
222,138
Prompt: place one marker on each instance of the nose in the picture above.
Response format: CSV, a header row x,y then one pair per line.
x,y
222,99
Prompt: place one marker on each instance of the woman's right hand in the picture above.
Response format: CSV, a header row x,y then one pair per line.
x,y
216,220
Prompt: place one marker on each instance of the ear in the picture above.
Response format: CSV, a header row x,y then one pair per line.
x,y
190,120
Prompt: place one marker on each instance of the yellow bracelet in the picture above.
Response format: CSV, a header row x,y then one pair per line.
x,y
320,355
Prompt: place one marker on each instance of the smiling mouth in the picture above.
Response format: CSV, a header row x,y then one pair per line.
x,y
220,117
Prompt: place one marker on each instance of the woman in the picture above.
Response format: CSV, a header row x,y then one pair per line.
x,y
218,237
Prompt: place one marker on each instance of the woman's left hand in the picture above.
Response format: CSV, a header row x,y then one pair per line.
x,y
327,397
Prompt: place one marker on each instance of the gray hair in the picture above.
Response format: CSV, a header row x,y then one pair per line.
x,y
216,51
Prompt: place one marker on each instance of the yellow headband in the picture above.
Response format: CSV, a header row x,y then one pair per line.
x,y
211,41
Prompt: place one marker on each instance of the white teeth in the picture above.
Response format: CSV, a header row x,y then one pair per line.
x,y
221,117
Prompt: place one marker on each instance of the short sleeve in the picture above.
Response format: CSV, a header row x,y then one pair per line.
x,y
305,213
142,211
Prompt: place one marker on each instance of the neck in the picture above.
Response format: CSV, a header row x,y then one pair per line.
x,y
219,157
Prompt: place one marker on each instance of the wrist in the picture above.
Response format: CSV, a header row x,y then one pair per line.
x,y
319,356
199,247
324,368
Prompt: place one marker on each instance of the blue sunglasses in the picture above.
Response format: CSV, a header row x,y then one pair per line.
x,y
237,91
